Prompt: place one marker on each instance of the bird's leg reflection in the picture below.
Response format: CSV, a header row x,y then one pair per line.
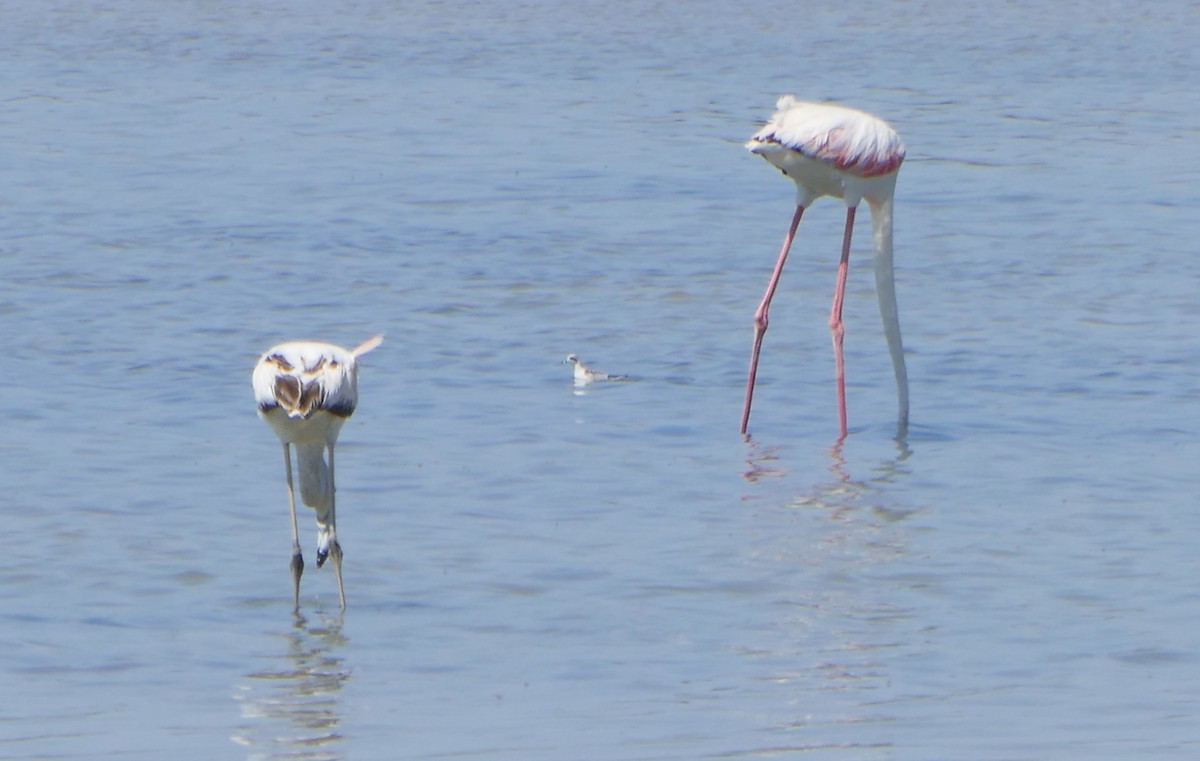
x,y
845,492
842,632
761,461
290,707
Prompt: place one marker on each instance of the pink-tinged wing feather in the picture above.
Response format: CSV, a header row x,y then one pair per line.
x,y
851,140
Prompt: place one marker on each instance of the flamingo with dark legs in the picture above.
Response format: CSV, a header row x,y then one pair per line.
x,y
306,390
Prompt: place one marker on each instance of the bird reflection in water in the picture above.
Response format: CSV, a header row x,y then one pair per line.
x,y
290,706
763,462
837,623
844,492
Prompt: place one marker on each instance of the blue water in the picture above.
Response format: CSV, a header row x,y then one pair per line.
x,y
535,573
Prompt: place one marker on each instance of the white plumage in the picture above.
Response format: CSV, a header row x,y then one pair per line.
x,y
855,142
585,375
306,390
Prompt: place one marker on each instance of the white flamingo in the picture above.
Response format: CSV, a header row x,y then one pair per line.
x,y
835,151
305,391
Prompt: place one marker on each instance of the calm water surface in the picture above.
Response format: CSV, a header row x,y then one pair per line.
x,y
539,574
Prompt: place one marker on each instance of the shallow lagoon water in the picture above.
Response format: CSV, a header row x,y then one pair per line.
x,y
534,573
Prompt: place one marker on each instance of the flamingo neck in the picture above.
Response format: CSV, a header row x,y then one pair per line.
x,y
885,287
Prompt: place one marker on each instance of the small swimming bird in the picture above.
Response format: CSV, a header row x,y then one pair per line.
x,y
585,375
835,151
305,391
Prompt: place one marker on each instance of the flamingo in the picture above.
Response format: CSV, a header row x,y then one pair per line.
x,y
305,391
844,153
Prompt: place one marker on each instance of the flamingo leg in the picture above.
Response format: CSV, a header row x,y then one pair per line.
x,y
335,549
760,315
297,564
835,318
